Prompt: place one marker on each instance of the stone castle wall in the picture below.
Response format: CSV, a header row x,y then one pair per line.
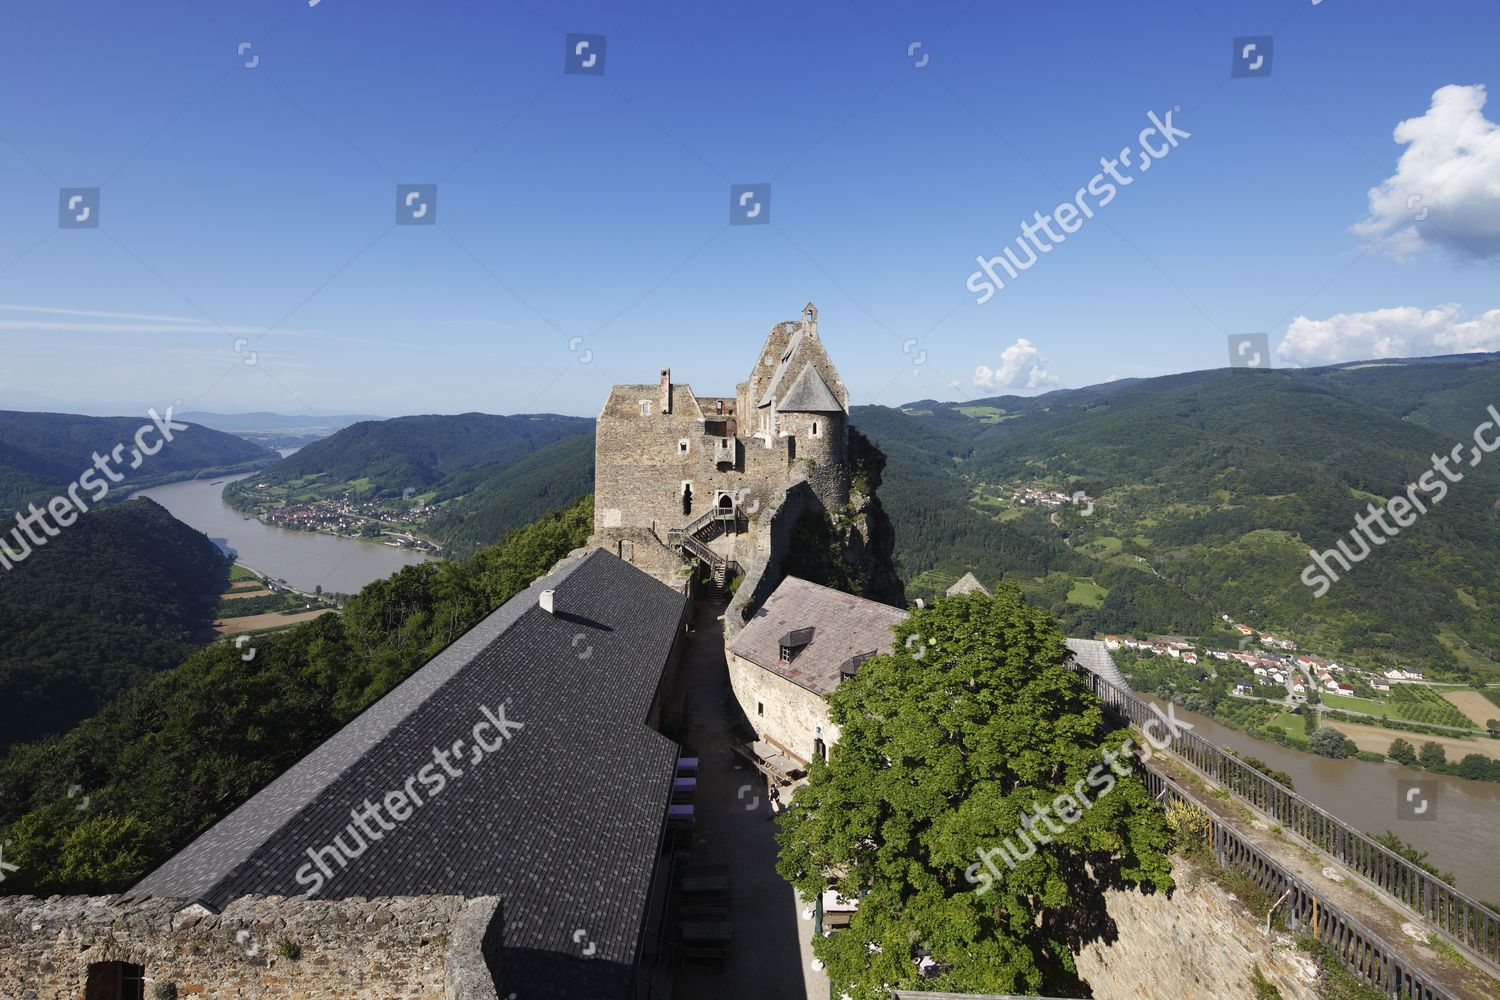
x,y
414,948
774,706
1199,944
761,553
654,439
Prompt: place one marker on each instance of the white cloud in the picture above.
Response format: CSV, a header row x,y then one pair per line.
x,y
1021,367
53,320
1446,189
1403,332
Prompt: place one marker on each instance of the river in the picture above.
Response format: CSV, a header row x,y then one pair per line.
x,y
304,559
1459,839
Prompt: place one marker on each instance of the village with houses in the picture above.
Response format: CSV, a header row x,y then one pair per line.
x,y
1267,687
1274,664
1040,496
384,521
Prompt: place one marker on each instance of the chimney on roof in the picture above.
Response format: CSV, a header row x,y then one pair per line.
x,y
666,390
548,601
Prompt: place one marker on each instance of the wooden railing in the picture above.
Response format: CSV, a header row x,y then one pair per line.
x,y
1471,926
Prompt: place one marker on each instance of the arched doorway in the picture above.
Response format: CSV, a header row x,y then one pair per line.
x,y
687,499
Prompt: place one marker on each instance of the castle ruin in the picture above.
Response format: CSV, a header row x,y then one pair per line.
x,y
683,479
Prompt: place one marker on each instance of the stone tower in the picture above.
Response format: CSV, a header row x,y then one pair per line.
x,y
682,478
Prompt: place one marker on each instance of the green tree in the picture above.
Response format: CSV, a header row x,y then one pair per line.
x,y
1477,767
1329,742
945,744
1433,756
1403,752
184,747
104,850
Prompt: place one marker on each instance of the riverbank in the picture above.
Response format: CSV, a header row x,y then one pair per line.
x,y
1457,831
302,561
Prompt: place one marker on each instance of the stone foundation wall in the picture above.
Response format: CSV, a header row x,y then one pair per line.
x,y
416,948
1199,945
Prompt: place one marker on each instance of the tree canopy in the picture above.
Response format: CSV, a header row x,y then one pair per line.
x,y
95,809
945,743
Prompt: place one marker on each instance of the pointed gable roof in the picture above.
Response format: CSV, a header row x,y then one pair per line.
x,y
809,394
968,584
782,366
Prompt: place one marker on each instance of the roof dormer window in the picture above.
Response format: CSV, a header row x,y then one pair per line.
x,y
794,642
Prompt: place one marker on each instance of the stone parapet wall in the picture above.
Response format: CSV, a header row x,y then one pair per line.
x,y
1200,944
411,948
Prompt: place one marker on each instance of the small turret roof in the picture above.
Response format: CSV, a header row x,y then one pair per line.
x,y
809,394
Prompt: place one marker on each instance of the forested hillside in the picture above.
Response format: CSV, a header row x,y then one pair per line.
x,y
420,455
114,598
480,506
1208,490
41,453
183,748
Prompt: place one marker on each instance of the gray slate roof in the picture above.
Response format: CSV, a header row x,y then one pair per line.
x,y
1092,655
563,821
844,625
968,584
788,357
809,394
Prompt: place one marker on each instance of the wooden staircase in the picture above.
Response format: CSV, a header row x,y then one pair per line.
x,y
692,540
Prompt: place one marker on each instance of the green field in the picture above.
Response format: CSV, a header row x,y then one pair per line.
x,y
239,574
1087,593
1247,715
985,414
1419,704
1287,723
1340,701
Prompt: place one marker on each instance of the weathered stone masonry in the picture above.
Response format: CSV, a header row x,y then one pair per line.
x,y
410,948
665,455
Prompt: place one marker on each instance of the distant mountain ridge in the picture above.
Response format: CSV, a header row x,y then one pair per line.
x,y
261,420
41,453
1210,488
485,474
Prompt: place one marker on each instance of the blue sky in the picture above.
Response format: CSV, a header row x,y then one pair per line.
x,y
251,209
